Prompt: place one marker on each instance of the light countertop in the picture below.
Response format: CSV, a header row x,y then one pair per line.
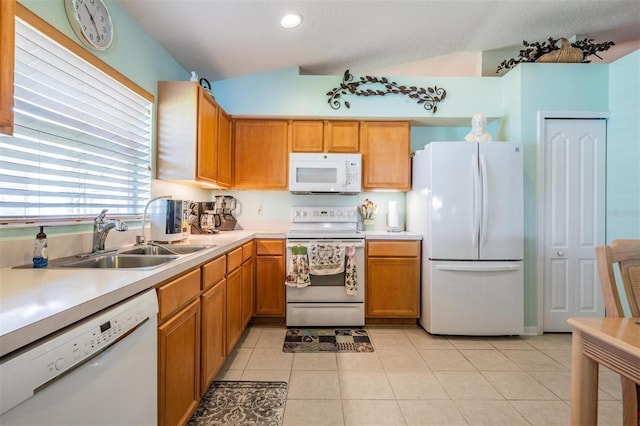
x,y
37,302
384,235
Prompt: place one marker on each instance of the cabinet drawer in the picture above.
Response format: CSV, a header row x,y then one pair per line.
x,y
393,248
177,293
213,272
269,247
247,251
234,259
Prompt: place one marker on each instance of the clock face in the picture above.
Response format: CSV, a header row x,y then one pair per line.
x,y
91,21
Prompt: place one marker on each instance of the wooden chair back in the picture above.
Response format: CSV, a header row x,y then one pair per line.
x,y
625,253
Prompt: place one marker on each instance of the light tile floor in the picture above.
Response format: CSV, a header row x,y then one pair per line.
x,y
413,378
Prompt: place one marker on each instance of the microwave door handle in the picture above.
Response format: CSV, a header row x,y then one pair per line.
x,y
346,173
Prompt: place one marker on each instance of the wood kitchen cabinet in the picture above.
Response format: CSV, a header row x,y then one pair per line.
x,y
225,150
261,154
234,298
324,136
270,275
341,136
214,330
179,348
248,282
188,136
7,46
393,279
386,155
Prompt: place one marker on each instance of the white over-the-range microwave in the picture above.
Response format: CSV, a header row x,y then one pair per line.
x,y
325,173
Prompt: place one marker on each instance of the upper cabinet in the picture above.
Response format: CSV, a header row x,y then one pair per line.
x,y
225,150
341,136
324,136
307,136
7,46
194,136
386,155
261,154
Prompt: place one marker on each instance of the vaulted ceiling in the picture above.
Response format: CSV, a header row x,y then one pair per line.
x,y
223,39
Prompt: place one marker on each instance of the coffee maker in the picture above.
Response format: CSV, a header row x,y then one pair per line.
x,y
225,205
203,218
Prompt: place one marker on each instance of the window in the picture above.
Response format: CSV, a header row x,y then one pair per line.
x,y
81,141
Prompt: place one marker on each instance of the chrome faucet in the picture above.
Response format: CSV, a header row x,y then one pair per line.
x,y
101,229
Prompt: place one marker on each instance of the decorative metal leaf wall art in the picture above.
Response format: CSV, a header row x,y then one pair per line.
x,y
428,97
532,52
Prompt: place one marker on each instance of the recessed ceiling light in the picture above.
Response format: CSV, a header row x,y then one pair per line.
x,y
291,20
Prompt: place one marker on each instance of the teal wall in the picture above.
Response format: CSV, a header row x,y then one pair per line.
x,y
623,149
547,87
134,52
287,93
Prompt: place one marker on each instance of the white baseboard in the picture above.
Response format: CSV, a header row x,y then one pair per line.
x,y
531,331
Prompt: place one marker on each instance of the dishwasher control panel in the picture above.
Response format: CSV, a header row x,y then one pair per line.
x,y
33,369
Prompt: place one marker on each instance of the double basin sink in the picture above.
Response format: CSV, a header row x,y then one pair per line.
x,y
143,257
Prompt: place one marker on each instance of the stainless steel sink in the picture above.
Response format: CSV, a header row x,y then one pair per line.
x,y
117,261
144,257
154,250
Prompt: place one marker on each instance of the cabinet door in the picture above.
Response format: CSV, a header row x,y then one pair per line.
x,y
234,308
386,155
248,291
306,136
179,366
207,166
7,45
341,136
225,150
213,342
393,287
270,297
261,154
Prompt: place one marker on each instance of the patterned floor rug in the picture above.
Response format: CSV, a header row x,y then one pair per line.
x,y
240,403
327,340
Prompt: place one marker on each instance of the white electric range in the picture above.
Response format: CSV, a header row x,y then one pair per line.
x,y
325,301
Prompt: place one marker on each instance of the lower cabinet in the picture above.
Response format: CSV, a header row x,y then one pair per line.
x,y
214,352
270,275
393,279
234,297
202,314
179,366
248,282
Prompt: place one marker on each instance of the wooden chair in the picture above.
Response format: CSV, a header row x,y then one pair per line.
x,y
626,253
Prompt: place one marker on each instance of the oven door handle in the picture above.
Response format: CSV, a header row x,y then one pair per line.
x,y
308,243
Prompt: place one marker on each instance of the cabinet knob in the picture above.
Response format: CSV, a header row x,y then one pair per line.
x,y
561,253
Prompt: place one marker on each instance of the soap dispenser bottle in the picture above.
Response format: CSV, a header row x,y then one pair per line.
x,y
40,255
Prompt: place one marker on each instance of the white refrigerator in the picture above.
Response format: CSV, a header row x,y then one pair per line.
x,y
467,201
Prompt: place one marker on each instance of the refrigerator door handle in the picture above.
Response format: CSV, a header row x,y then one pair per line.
x,y
485,200
476,201
479,268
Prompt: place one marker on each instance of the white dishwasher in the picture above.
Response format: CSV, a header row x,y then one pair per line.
x,y
99,371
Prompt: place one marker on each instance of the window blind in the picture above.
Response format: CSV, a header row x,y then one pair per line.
x,y
81,142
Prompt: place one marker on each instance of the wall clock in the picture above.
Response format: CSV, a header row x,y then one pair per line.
x,y
91,22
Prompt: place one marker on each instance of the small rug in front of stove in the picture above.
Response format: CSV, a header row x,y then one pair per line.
x,y
327,340
241,403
